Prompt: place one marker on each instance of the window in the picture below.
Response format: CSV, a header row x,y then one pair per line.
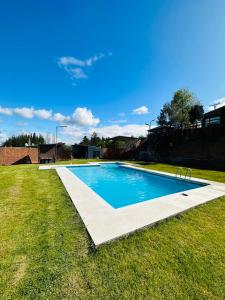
x,y
212,121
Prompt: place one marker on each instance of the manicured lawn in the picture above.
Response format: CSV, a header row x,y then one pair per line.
x,y
46,253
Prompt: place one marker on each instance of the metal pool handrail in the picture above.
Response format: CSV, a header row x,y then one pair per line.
x,y
179,171
188,171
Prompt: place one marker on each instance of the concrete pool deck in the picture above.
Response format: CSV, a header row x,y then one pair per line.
x,y
104,223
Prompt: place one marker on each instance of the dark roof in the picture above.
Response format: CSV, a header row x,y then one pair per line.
x,y
123,138
215,112
160,128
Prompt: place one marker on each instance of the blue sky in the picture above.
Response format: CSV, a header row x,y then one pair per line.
x,y
107,66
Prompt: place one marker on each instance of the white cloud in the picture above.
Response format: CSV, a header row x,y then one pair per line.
x,y
24,112
126,130
122,114
30,112
6,111
117,121
84,117
70,60
90,61
3,137
43,114
78,73
74,134
81,115
141,110
22,124
217,104
77,68
58,117
220,101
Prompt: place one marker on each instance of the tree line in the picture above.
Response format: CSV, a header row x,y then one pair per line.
x,y
97,141
24,139
107,142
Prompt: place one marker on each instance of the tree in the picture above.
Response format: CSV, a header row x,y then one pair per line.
x,y
196,113
23,139
164,116
119,145
107,142
85,141
181,105
176,113
95,140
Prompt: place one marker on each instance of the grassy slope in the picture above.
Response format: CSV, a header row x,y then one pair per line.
x,y
45,251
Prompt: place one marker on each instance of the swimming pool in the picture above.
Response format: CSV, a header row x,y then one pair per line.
x,y
120,186
114,200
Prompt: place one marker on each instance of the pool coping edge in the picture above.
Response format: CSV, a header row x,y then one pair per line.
x,y
105,223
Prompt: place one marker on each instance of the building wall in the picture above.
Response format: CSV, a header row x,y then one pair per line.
x,y
94,152
16,155
217,115
81,151
47,153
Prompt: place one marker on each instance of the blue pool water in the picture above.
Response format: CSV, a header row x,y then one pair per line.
x,y
120,186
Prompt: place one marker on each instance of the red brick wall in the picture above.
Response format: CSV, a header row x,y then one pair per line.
x,y
13,155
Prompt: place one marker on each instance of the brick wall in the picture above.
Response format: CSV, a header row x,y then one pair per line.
x,y
17,155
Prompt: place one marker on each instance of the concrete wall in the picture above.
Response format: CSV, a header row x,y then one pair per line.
x,y
17,155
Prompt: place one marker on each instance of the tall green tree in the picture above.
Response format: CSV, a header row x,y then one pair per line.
x,y
95,139
180,107
177,112
165,115
85,141
196,113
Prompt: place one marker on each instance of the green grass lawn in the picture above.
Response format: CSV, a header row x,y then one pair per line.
x,y
46,253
